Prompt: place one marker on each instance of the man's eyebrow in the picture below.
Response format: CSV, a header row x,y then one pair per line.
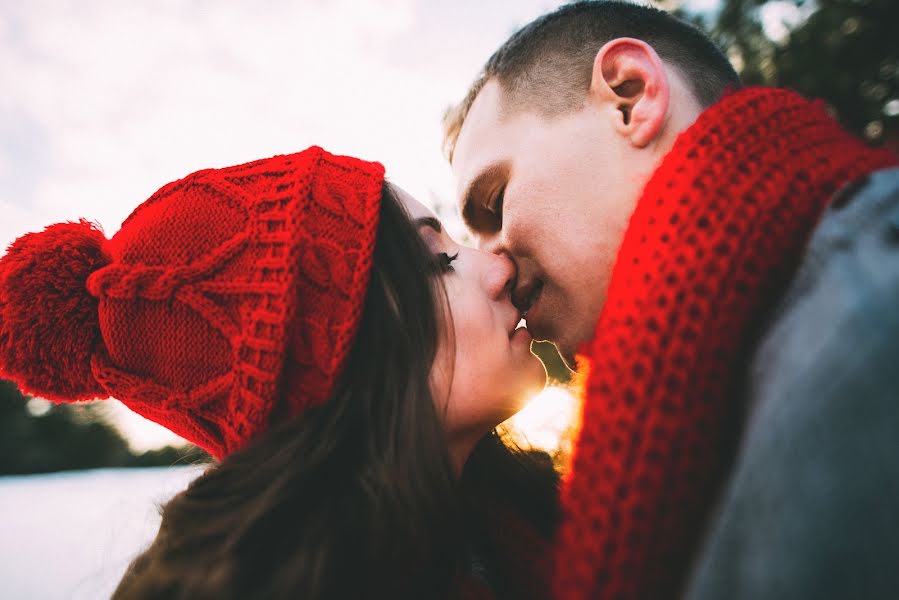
x,y
475,189
429,222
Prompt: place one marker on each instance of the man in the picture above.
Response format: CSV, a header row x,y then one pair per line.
x,y
737,314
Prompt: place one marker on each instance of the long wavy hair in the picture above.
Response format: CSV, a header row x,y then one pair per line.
x,y
357,498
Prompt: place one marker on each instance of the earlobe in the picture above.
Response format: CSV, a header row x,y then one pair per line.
x,y
629,77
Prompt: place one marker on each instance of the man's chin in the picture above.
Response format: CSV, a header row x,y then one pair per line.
x,y
567,343
568,350
568,358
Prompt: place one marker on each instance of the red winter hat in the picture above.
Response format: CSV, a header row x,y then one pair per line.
x,y
229,296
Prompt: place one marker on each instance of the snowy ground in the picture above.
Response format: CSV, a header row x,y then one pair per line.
x,y
71,535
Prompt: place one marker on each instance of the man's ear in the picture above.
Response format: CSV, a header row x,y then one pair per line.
x,y
630,76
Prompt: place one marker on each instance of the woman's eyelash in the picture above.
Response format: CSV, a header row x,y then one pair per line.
x,y
445,261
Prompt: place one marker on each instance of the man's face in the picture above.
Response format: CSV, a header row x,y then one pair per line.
x,y
554,194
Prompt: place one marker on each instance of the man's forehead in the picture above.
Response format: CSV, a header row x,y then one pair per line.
x,y
481,141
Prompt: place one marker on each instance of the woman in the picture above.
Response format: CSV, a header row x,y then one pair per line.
x,y
315,329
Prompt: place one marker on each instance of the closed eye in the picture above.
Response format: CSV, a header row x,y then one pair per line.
x,y
495,207
479,214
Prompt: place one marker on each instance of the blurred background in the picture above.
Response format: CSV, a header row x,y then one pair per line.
x,y
103,102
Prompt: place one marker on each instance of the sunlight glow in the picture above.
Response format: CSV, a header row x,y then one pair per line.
x,y
546,419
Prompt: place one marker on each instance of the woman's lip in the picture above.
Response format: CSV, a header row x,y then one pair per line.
x,y
520,334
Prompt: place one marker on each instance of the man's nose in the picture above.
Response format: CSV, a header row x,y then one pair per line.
x,y
501,275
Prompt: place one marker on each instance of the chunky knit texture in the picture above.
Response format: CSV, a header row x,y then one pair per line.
x,y
715,237
229,296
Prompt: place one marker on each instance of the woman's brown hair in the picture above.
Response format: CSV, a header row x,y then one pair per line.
x,y
357,498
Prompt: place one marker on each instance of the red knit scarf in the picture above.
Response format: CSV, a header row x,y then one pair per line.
x,y
714,239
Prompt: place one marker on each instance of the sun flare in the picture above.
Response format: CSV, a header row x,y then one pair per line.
x,y
544,421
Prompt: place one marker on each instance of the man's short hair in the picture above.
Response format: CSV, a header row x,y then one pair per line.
x,y
548,64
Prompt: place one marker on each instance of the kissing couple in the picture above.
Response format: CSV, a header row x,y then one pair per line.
x,y
720,263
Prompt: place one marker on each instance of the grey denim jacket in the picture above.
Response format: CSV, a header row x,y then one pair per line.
x,y
811,507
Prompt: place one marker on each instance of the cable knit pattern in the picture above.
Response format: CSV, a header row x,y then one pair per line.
x,y
714,239
228,295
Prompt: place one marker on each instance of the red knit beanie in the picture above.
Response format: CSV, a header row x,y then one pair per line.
x,y
229,296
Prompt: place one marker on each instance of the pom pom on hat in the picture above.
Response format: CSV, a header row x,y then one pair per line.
x,y
49,322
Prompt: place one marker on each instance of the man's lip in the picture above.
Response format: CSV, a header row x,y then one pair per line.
x,y
534,323
525,292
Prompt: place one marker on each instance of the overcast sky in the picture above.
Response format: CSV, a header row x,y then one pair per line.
x,y
103,102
